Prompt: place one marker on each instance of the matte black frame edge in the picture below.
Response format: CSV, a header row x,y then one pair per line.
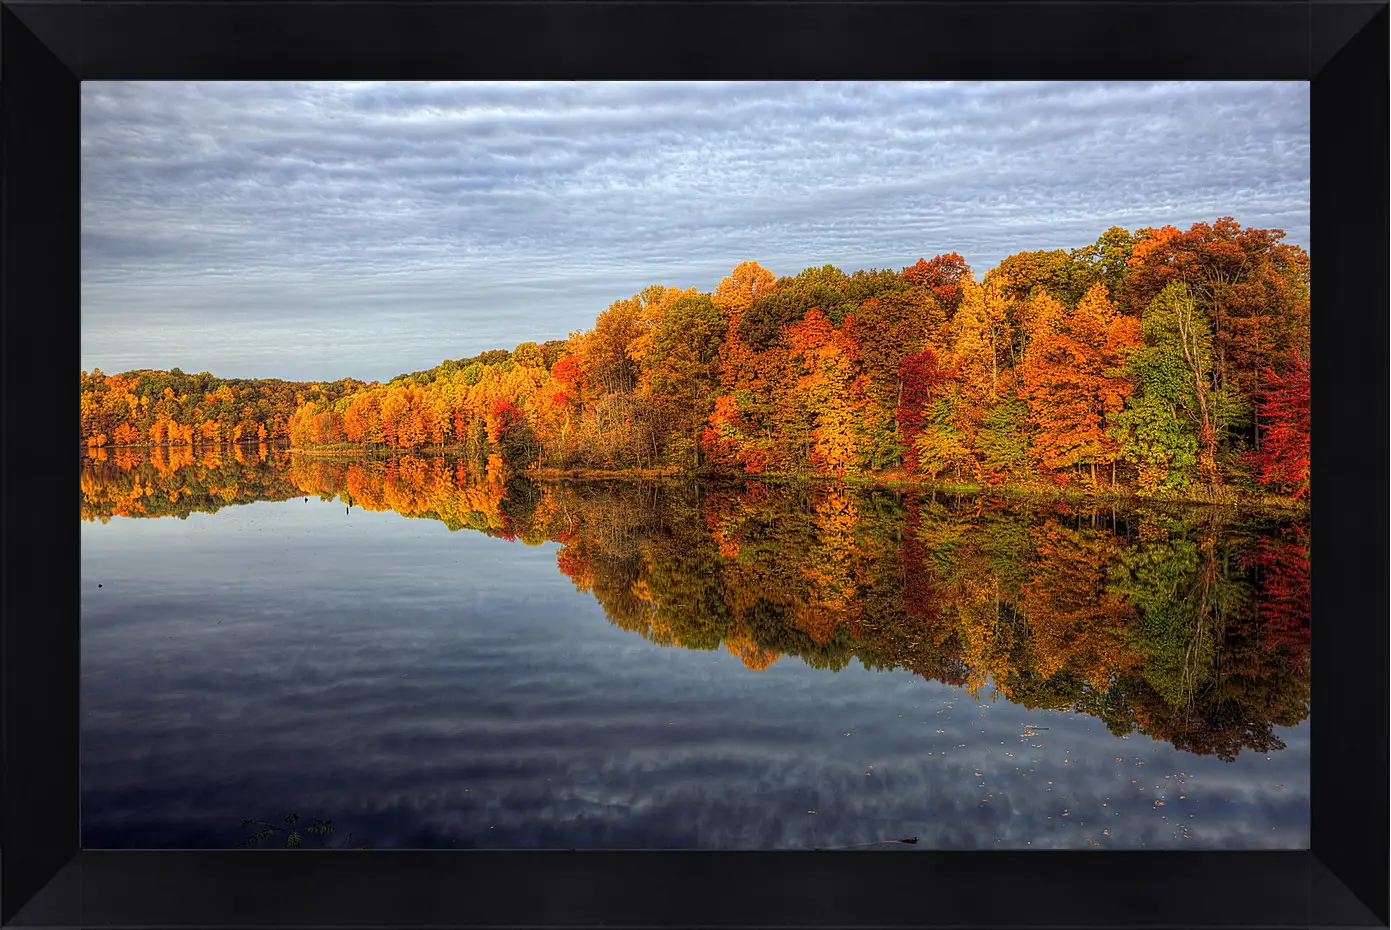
x,y
45,880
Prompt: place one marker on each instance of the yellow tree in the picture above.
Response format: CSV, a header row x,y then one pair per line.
x,y
738,289
1073,380
605,348
980,349
825,394
982,346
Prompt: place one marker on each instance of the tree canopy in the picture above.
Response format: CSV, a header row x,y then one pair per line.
x,y
1159,362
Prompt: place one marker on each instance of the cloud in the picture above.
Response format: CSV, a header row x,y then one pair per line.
x,y
324,230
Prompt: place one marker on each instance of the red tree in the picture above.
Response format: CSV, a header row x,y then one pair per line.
x,y
1283,460
922,375
943,276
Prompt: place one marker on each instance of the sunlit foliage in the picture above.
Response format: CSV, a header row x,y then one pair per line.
x,y
1159,363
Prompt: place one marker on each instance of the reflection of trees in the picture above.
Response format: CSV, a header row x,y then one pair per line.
x,y
1190,626
458,494
174,481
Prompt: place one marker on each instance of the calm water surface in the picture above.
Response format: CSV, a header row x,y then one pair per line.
x,y
433,656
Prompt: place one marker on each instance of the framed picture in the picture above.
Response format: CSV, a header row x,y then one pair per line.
x,y
733,464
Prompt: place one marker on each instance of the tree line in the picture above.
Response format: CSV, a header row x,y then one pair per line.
x,y
1159,362
171,408
1190,626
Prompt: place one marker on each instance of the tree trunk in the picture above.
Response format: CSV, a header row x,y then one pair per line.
x,y
1207,435
898,403
1256,412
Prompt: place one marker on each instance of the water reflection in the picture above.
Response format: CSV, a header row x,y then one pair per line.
x,y
1187,625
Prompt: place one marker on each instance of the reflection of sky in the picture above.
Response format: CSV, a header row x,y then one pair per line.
x,y
435,689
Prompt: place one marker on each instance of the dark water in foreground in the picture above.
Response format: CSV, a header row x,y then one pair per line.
x,y
736,666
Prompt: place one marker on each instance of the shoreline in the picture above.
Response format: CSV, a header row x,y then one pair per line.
x,y
886,481
891,482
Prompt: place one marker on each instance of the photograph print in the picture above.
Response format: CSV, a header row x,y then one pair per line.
x,y
596,465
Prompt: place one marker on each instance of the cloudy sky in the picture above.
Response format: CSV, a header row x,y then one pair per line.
x,y
316,231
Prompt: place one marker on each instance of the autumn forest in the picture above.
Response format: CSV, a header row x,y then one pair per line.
x,y
1163,363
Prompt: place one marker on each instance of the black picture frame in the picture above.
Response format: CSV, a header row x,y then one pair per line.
x,y
48,46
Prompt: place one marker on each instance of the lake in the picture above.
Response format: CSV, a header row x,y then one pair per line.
x,y
431,655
